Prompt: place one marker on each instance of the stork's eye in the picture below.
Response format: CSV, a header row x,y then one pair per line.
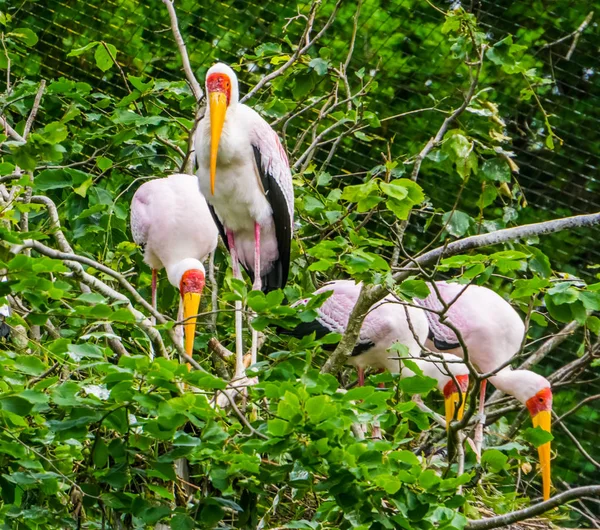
x,y
541,399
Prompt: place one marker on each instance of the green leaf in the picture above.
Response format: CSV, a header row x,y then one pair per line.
x,y
79,51
563,293
319,408
50,179
16,405
537,436
103,58
319,65
494,459
277,427
30,365
417,385
55,132
181,521
104,163
389,483
26,35
593,324
394,190
414,289
428,479
268,48
457,223
496,170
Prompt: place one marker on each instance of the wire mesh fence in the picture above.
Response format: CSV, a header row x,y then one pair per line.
x,y
560,182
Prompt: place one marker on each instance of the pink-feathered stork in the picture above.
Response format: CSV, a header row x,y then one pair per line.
x,y
245,176
171,222
385,324
492,332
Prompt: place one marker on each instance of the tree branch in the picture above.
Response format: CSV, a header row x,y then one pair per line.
x,y
34,109
187,67
70,256
532,511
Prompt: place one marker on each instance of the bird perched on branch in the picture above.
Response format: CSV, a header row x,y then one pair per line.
x,y
387,323
492,332
171,222
245,176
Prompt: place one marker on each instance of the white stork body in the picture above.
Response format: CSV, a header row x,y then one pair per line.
x,y
387,323
171,221
246,178
492,332
251,189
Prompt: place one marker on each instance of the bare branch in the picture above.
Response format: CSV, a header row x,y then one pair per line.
x,y
579,405
532,511
34,109
187,67
10,131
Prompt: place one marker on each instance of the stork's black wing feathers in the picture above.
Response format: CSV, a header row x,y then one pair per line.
x,y
306,328
442,344
362,347
4,330
220,226
277,277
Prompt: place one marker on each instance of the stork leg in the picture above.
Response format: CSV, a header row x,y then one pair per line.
x,y
256,287
361,376
376,432
239,345
154,284
478,436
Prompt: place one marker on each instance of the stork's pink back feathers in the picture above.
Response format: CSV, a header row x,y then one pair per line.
x,y
170,219
491,328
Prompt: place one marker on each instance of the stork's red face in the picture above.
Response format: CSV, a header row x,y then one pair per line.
x,y
540,408
219,96
219,83
452,397
190,287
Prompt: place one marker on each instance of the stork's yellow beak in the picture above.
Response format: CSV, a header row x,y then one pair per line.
x,y
191,303
451,402
218,108
543,420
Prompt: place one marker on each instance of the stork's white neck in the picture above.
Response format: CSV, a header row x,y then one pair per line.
x,y
521,384
175,271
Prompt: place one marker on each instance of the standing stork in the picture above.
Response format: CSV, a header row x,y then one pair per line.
x,y
387,323
245,176
492,332
171,222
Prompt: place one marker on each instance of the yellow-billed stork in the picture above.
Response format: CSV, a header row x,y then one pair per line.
x,y
171,222
492,332
387,323
245,176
